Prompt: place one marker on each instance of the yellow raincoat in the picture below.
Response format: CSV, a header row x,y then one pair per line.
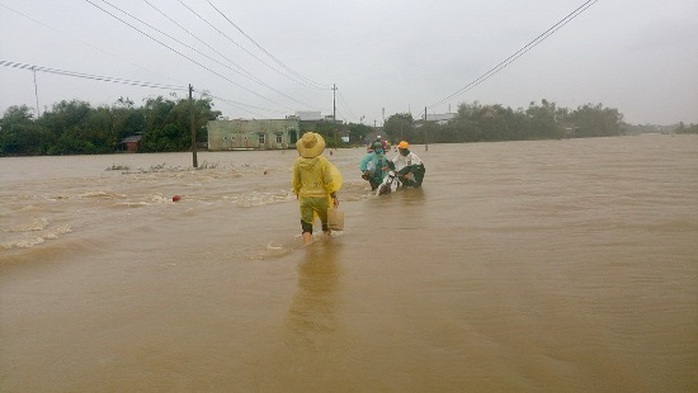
x,y
314,179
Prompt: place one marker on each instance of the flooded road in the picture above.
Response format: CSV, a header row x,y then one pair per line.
x,y
519,266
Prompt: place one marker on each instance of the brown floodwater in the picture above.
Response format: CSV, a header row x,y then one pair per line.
x,y
566,265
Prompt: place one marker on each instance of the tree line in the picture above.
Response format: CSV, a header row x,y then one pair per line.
x,y
75,127
684,129
475,122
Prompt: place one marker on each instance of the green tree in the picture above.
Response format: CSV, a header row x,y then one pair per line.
x,y
682,129
98,135
466,125
330,132
157,113
495,122
544,121
168,123
127,120
19,133
594,121
398,127
67,121
203,113
358,133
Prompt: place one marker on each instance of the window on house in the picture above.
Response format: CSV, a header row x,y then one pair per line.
x,y
262,138
279,138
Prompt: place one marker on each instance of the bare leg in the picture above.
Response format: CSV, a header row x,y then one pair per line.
x,y
307,238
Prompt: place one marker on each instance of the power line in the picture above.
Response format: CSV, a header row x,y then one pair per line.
x,y
207,56
76,39
504,63
110,79
185,56
341,97
198,39
101,78
246,74
124,81
244,107
227,37
238,44
305,81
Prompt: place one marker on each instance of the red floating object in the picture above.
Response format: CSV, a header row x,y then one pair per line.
x,y
176,198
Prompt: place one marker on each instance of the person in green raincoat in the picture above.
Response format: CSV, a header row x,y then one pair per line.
x,y
374,165
315,182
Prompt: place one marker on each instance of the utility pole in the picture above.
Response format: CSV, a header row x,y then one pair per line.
x,y
426,144
334,113
36,93
193,128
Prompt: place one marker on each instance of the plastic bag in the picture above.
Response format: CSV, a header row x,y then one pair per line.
x,y
335,219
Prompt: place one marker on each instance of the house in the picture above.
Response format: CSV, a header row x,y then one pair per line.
x,y
254,134
129,144
309,115
438,118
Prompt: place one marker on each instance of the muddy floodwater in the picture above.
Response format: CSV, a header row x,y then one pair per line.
x,y
545,266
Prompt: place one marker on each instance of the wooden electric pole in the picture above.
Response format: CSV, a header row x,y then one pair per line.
x,y
193,127
426,144
36,93
334,113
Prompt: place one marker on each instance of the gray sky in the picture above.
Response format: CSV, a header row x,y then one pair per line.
x,y
385,57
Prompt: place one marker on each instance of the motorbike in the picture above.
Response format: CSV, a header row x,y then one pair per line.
x,y
391,183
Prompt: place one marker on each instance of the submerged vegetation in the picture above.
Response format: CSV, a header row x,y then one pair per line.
x,y
119,167
161,168
164,125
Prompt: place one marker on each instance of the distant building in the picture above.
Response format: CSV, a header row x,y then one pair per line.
x,y
240,134
309,115
129,144
438,118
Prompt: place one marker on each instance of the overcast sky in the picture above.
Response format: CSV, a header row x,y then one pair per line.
x,y
271,58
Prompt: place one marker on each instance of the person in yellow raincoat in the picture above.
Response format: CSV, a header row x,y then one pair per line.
x,y
315,181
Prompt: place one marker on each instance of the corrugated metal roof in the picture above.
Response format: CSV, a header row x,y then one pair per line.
x,y
132,138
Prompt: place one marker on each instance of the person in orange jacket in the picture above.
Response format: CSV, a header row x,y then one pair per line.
x,y
409,167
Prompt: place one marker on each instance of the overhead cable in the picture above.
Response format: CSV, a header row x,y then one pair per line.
x,y
233,41
198,39
209,57
305,81
185,56
504,63
111,79
101,78
241,71
245,107
341,97
76,39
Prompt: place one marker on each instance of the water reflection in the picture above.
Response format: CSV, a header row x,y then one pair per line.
x,y
411,195
312,316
